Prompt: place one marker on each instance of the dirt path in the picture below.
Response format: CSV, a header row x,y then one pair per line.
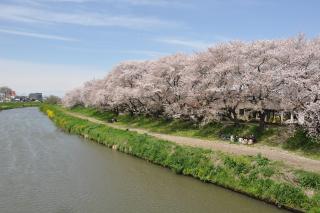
x,y
271,153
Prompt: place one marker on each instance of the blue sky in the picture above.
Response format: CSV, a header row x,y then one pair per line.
x,y
54,45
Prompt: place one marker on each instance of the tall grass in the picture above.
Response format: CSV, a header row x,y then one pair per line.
x,y
255,176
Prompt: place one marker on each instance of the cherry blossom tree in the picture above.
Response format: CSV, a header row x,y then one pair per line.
x,y
263,77
312,119
72,98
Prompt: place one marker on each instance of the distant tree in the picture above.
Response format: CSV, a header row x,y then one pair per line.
x,y
52,99
6,90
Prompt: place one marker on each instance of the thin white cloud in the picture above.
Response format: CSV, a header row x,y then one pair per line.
x,y
39,15
41,2
26,77
170,3
73,1
186,43
162,3
148,53
192,43
36,35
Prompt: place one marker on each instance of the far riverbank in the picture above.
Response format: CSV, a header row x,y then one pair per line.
x,y
13,105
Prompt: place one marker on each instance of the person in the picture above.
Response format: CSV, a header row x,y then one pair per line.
x,y
253,138
112,120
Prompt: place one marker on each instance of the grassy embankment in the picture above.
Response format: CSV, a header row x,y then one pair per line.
x,y
13,105
273,135
255,176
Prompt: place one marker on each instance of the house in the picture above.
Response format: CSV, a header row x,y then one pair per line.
x,y
21,99
35,96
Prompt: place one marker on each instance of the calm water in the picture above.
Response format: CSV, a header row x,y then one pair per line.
x,y
45,170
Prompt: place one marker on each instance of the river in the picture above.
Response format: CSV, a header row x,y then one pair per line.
x,y
43,169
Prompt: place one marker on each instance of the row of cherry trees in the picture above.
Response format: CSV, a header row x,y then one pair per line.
x,y
264,76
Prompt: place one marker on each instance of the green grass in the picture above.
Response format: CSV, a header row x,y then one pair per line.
x,y
13,105
273,135
255,176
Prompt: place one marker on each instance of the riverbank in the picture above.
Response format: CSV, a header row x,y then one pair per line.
x,y
13,105
287,158
255,176
275,136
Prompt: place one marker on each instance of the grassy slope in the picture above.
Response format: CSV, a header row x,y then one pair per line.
x,y
12,105
273,135
255,176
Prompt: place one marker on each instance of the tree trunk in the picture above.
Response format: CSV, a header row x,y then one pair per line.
x,y
281,117
262,122
233,115
131,113
116,111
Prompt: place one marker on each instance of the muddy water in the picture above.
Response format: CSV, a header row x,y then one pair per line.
x,y
45,170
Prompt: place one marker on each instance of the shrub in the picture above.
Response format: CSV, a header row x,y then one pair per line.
x,y
300,140
53,100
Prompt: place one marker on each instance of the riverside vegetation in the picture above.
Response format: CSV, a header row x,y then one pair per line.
x,y
12,105
255,176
